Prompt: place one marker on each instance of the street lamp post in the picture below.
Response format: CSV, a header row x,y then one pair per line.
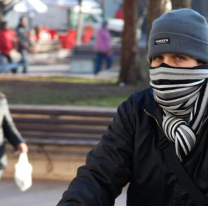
x,y
1,10
80,24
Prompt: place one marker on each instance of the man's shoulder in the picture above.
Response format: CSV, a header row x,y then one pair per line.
x,y
138,100
143,96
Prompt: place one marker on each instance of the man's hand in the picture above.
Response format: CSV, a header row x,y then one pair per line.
x,y
22,147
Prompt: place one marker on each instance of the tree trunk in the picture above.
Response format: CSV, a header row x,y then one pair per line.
x,y
177,4
154,9
129,43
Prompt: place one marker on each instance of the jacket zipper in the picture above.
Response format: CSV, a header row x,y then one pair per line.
x,y
154,118
202,126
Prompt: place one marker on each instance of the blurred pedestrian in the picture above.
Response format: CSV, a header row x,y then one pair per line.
x,y
103,48
24,44
10,132
119,12
6,42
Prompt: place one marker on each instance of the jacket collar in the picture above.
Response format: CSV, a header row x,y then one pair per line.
x,y
153,109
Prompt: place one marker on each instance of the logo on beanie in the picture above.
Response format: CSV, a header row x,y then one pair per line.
x,y
162,41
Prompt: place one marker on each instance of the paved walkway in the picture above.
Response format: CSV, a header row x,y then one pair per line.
x,y
42,193
64,71
60,66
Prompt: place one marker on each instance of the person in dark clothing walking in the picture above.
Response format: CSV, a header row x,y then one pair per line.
x,y
170,115
24,44
103,48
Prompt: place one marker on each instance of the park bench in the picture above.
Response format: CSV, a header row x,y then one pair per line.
x,y
67,126
59,138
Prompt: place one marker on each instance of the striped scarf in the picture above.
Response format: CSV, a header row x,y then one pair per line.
x,y
183,95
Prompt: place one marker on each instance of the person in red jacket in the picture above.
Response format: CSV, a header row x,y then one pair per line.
x,y
6,41
119,13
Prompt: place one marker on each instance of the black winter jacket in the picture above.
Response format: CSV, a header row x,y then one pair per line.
x,y
130,153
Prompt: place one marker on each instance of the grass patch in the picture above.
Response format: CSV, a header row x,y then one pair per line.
x,y
56,79
78,80
103,100
55,91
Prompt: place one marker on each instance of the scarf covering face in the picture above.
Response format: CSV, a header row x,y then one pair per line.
x,y
183,95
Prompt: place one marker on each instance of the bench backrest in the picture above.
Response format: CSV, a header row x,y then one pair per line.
x,y
78,126
88,50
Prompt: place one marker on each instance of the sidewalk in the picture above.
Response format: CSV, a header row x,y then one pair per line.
x,y
42,193
63,70
59,66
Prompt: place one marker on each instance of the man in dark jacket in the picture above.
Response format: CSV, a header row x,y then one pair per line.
x,y
24,44
9,131
171,113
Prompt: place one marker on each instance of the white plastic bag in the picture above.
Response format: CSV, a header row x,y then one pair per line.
x,y
23,172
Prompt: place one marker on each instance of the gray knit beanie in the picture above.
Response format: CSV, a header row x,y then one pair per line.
x,y
182,31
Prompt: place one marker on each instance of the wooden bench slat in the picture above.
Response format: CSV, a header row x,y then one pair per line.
x,y
61,129
40,135
26,120
63,142
63,112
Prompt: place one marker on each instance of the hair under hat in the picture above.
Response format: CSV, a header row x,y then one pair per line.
x,y
182,31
